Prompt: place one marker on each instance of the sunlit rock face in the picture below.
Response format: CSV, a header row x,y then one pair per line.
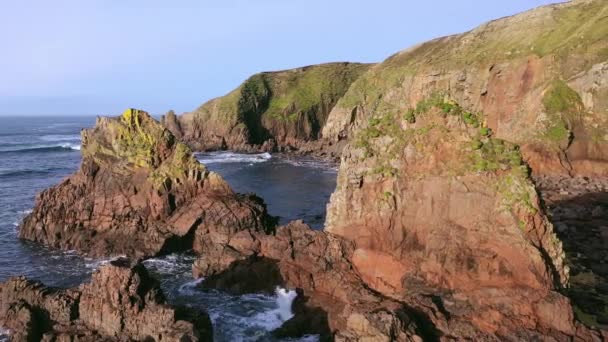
x,y
138,192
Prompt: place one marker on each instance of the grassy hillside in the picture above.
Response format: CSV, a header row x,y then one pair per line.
x,y
284,105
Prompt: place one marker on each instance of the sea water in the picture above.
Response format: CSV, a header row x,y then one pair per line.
x,y
37,152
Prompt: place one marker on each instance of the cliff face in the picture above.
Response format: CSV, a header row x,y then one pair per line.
x,y
437,206
539,78
138,192
289,108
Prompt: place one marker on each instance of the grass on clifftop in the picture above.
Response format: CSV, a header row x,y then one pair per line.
x,y
564,31
564,107
283,95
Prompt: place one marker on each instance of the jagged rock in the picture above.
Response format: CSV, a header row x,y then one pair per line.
x,y
171,122
332,300
121,303
138,192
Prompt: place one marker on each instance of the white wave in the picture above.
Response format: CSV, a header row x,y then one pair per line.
x,y
60,137
232,157
190,288
21,214
313,164
33,148
171,264
274,318
4,335
94,264
75,147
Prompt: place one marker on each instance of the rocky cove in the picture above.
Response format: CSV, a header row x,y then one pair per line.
x,y
470,201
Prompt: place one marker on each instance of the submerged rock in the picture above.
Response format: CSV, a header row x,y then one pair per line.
x,y
138,192
121,303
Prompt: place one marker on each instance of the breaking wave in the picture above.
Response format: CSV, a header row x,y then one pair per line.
x,y
44,148
232,157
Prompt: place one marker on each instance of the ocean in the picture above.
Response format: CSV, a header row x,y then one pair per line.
x,y
37,152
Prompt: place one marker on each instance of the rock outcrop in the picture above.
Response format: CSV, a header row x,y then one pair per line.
x,y
272,110
333,301
121,303
138,192
539,77
437,206
435,232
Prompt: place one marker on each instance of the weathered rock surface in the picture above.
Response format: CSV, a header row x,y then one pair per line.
x,y
121,303
539,77
333,300
138,192
437,207
282,110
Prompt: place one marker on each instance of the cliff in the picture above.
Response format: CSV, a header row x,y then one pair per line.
x,y
138,192
282,109
539,78
435,232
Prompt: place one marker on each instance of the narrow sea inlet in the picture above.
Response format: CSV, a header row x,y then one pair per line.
x,y
36,153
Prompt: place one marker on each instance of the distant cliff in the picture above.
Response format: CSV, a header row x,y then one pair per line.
x,y
282,109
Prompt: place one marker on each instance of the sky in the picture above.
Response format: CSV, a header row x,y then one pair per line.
x,y
98,57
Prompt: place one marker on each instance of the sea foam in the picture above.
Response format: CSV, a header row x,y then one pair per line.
x,y
232,157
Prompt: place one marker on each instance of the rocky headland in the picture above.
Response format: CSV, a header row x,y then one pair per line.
x,y
139,192
539,77
470,202
270,111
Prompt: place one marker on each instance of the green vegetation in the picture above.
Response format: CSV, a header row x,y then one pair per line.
x,y
282,97
446,107
141,141
564,108
568,31
138,138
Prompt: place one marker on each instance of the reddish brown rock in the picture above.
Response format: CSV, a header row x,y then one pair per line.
x,y
437,207
333,301
539,77
138,192
121,303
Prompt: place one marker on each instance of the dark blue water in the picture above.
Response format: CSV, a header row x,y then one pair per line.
x,y
36,153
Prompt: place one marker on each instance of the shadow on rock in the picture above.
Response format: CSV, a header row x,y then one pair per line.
x,y
581,222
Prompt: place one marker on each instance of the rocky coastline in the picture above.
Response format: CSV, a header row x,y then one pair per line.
x,y
470,202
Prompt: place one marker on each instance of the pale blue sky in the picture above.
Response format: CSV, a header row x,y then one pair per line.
x,y
100,56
